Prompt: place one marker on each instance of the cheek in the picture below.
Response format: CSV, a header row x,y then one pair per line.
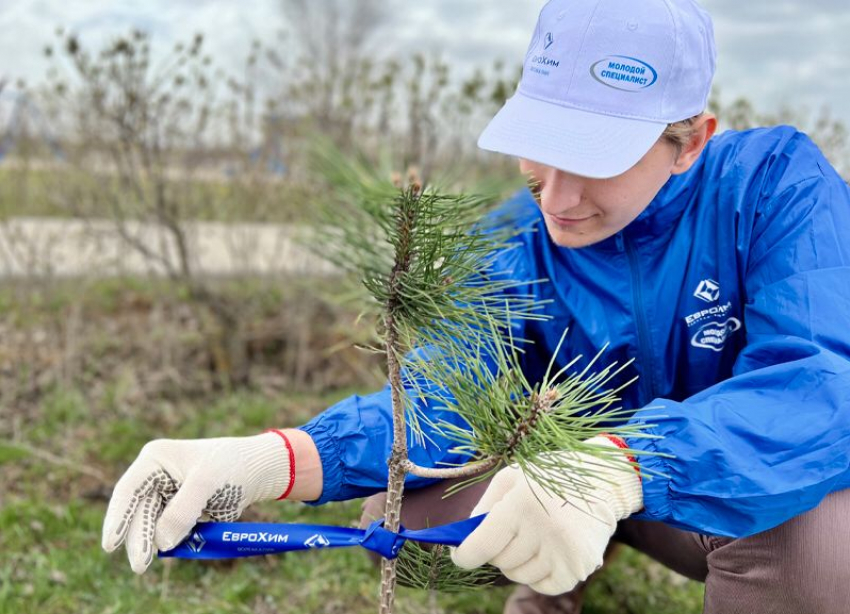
x,y
622,205
616,201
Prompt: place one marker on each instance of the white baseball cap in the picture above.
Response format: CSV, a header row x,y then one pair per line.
x,y
601,81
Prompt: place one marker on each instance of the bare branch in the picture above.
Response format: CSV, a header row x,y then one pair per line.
x,y
465,471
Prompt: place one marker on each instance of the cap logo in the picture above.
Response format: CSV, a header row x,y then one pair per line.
x,y
624,73
548,41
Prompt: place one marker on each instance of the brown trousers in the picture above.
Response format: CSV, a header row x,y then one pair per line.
x,y
799,567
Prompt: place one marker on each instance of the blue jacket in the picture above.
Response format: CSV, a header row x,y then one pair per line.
x,y
732,293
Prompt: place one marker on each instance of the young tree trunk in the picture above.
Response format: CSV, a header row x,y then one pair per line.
x,y
396,465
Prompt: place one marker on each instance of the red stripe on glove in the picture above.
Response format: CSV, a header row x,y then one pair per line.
x,y
620,443
291,463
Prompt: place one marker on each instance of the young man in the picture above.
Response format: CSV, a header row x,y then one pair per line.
x,y
717,263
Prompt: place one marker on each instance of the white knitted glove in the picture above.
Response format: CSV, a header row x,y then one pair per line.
x,y
546,542
191,479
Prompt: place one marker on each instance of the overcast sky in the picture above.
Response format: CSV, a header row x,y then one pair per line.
x,y
772,51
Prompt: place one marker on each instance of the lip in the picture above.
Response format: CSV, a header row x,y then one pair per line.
x,y
567,221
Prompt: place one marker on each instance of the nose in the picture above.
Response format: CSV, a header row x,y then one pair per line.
x,y
561,191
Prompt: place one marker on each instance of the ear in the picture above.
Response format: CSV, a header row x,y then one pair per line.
x,y
703,129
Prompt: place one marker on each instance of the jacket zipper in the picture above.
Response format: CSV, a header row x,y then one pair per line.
x,y
644,351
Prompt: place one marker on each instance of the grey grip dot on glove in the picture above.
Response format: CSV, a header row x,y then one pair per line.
x,y
173,484
545,541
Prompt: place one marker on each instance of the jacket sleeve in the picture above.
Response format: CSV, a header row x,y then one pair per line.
x,y
354,437
773,440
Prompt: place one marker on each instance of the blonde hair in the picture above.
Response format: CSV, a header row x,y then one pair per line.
x,y
679,133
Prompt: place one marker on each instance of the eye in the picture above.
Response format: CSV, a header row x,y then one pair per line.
x,y
535,187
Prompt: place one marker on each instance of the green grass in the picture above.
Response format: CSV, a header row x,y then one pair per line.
x,y
50,527
50,533
51,513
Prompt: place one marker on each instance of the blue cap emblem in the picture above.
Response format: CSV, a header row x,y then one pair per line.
x,y
624,73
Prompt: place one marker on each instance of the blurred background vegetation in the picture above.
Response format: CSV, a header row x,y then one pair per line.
x,y
151,287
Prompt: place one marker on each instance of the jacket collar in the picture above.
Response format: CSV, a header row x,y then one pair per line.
x,y
660,218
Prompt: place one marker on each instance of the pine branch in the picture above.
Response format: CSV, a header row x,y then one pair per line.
x,y
432,569
506,419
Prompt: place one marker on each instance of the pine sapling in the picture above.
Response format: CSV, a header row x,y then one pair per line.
x,y
445,314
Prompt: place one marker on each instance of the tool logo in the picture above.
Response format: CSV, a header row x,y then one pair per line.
x,y
255,537
548,41
196,542
317,541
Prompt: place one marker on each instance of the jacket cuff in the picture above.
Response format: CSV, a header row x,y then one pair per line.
x,y
332,467
655,472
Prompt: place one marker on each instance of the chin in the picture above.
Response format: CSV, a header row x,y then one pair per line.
x,y
573,240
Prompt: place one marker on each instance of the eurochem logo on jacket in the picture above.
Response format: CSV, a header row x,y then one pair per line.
x,y
708,290
714,329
